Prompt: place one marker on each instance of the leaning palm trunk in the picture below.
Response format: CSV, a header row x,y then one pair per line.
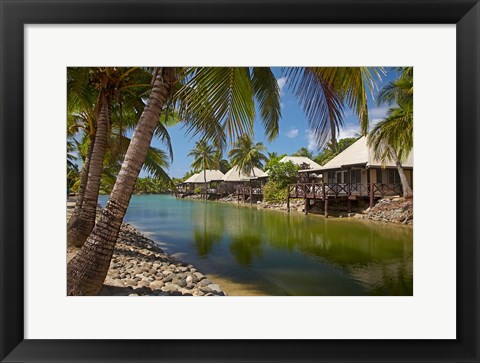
x,y
407,190
83,182
88,269
80,226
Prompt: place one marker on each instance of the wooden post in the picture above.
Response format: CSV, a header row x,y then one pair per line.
x,y
251,195
371,195
349,205
306,204
288,198
325,203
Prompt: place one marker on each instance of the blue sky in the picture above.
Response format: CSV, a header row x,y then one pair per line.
x,y
293,134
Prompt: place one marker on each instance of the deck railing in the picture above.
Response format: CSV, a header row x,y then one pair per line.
x,y
322,190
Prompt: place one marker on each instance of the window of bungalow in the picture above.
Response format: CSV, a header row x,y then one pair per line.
x,y
393,176
331,177
355,176
379,176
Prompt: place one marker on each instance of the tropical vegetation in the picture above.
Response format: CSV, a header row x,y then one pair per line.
x,y
392,138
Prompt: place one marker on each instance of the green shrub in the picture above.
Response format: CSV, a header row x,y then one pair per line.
x,y
283,174
198,190
275,192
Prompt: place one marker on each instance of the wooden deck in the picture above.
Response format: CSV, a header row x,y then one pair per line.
x,y
349,191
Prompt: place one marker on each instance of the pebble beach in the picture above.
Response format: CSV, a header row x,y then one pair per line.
x,y
139,267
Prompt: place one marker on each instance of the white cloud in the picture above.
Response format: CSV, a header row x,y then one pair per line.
x,y
312,142
292,133
282,105
348,131
378,112
281,83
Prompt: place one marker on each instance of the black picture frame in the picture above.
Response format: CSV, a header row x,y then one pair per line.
x,y
16,13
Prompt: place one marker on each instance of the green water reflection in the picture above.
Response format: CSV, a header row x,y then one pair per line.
x,y
280,253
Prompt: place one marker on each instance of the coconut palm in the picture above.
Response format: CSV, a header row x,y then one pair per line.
x,y
204,159
324,92
116,86
392,138
221,101
247,155
87,270
223,164
303,151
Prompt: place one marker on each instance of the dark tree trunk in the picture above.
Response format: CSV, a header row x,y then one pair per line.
x,y
407,190
88,269
81,226
83,182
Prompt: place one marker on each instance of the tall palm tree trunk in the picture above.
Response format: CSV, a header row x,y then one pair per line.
x,y
407,190
88,269
81,226
83,182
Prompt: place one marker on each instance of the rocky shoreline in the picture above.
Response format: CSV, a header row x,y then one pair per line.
x,y
392,210
140,268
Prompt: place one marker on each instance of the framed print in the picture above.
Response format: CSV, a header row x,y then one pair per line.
x,y
340,287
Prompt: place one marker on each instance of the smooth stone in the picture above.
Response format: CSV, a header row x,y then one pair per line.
x,y
198,275
168,278
117,283
189,279
130,282
215,287
205,282
156,285
143,284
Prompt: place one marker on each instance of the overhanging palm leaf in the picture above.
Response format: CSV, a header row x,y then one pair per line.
x,y
321,104
324,92
267,94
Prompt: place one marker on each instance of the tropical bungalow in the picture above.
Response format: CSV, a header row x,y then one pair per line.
x,y
305,164
302,161
198,180
236,181
187,186
353,174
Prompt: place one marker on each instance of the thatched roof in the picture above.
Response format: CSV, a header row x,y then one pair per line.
x,y
210,175
299,160
191,179
360,154
236,175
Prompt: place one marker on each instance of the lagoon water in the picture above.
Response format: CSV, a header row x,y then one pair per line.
x,y
251,251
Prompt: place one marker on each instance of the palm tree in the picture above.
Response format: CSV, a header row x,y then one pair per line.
x,y
223,164
116,86
323,93
204,158
87,270
392,138
81,119
247,155
303,151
